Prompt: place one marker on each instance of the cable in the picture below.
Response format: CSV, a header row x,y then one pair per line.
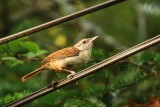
x,y
60,20
120,56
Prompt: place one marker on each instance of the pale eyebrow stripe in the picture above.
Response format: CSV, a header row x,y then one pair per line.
x,y
79,42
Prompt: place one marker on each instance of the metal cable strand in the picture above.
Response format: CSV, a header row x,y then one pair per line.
x,y
60,20
120,56
49,89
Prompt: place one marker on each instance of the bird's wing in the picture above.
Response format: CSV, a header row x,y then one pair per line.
x,y
61,54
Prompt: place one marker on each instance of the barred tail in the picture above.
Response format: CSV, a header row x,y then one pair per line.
x,y
35,72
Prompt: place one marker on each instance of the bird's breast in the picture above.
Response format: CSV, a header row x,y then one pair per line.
x,y
73,60
58,65
83,57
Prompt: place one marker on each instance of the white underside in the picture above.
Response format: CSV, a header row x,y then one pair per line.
x,y
83,57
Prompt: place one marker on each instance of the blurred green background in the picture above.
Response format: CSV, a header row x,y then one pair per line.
x,y
118,27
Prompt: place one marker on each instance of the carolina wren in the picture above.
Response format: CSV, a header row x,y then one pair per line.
x,y
61,59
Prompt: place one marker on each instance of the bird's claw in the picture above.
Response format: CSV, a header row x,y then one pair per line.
x,y
71,75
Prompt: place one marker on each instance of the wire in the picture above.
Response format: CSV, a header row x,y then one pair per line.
x,y
120,56
59,20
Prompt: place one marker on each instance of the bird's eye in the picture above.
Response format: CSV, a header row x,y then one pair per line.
x,y
84,41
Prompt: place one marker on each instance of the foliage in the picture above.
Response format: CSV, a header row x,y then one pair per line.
x,y
13,52
134,80
108,80
16,96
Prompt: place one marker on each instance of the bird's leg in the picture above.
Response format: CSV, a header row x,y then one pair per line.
x,y
72,73
54,83
56,75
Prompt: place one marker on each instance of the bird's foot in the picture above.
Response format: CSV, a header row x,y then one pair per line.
x,y
54,83
71,75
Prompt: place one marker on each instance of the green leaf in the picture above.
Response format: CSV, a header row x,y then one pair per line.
x,y
96,102
14,45
40,52
9,98
157,57
147,56
30,46
98,54
35,54
16,62
13,63
8,58
3,48
30,55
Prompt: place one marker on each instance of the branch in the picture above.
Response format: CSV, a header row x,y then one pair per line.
x,y
60,20
122,55
145,68
30,59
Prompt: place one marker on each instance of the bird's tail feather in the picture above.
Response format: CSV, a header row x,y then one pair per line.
x,y
35,72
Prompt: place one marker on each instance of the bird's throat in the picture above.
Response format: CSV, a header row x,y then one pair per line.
x,y
85,55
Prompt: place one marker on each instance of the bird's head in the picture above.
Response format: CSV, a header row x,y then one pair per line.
x,y
85,44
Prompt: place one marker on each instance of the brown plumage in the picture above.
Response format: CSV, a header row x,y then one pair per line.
x,y
47,62
62,59
35,72
61,54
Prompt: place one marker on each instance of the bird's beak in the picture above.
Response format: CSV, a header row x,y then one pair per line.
x,y
92,39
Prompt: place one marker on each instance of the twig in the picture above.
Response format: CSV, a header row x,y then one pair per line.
x,y
87,71
145,68
30,59
60,20
22,59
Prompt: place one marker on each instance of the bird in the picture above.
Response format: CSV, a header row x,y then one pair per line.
x,y
59,61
